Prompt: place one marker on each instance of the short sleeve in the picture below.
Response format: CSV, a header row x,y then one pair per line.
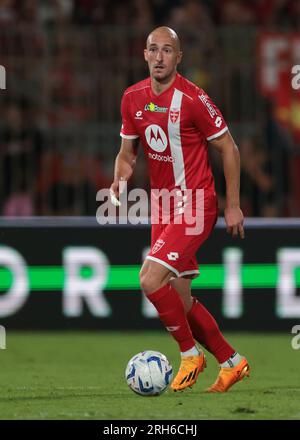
x,y
128,130
208,117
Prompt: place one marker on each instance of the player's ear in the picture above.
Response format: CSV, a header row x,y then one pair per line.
x,y
146,55
179,57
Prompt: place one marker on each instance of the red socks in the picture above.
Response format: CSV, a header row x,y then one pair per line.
x,y
170,308
198,323
207,333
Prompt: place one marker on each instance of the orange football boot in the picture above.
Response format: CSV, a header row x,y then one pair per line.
x,y
229,376
189,370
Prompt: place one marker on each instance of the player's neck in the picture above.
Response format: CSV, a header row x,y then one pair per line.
x,y
159,87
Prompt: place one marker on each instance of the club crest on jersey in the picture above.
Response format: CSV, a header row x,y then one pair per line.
x,y
156,138
158,245
174,115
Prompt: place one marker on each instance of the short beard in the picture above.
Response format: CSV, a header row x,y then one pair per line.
x,y
164,79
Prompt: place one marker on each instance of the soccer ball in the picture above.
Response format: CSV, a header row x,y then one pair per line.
x,y
148,373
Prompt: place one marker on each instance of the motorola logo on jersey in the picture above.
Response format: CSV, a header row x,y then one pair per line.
x,y
156,138
161,157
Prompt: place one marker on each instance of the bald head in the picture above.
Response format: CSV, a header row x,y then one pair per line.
x,y
164,31
162,54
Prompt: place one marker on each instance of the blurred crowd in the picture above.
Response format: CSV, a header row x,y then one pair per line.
x,y
266,13
68,63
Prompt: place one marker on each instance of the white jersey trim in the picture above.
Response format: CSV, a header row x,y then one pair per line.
x,y
217,134
136,90
186,95
189,272
129,136
175,140
163,263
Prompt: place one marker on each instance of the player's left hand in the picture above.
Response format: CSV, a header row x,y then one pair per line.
x,y
234,220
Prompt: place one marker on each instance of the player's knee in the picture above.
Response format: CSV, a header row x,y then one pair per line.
x,y
149,283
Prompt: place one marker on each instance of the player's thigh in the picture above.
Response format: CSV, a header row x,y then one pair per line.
x,y
182,285
145,267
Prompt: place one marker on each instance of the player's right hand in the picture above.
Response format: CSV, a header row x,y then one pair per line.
x,y
115,193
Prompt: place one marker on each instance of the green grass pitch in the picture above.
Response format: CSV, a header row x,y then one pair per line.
x,y
80,375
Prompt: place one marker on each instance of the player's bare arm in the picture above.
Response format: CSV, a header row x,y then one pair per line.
x,y
231,164
124,163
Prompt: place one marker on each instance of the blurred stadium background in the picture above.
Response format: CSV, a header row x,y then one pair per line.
x,y
69,61
67,64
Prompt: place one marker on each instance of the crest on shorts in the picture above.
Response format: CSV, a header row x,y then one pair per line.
x,y
174,115
158,245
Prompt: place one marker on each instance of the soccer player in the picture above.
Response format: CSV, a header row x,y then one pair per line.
x,y
175,120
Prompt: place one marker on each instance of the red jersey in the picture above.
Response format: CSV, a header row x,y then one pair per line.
x,y
174,128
